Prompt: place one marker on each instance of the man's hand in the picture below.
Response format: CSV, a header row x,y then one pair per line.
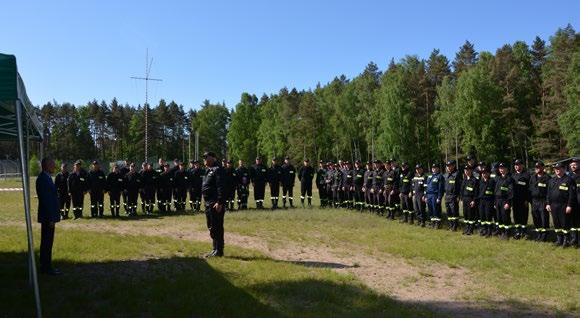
x,y
472,204
218,207
438,200
424,199
548,208
568,209
506,206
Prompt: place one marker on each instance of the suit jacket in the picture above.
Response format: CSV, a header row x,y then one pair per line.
x,y
47,199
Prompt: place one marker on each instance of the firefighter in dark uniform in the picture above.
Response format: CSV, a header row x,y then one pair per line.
x,y
158,172
337,181
538,188
165,189
391,189
259,176
196,179
115,185
347,185
123,171
149,177
395,200
288,179
575,229
560,201
452,193
521,199
274,180
97,185
486,202
243,185
469,194
435,187
504,194
321,184
419,184
367,186
359,179
61,184
78,184
406,195
231,182
474,166
377,187
328,179
305,175
180,184
133,184
214,195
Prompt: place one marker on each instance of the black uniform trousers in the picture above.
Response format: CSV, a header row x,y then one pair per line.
x,y
322,195
503,215
132,196
180,195
306,191
540,215
148,198
243,193
46,242
115,200
288,192
452,208
78,198
469,213
486,211
195,198
97,202
562,221
164,197
259,190
521,212
407,204
215,225
420,207
64,204
359,198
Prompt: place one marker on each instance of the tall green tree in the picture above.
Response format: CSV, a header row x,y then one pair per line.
x,y
243,130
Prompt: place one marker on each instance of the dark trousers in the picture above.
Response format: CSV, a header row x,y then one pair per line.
x,y
504,215
359,198
486,211
78,199
540,215
180,195
452,209
195,198
148,199
406,204
419,207
132,196
562,221
259,190
46,241
469,213
215,225
97,202
288,192
64,204
243,192
115,200
521,212
306,192
434,207
392,200
379,199
164,197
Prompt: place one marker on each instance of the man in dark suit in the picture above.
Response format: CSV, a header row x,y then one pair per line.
x,y
48,215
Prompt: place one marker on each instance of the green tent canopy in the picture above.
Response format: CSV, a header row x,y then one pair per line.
x,y
13,93
19,122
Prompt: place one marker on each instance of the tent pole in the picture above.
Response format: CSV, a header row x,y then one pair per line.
x,y
26,187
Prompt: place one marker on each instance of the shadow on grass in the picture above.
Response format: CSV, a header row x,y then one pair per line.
x,y
314,264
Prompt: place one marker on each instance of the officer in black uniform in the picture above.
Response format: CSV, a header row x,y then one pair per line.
x,y
560,202
538,188
406,195
504,194
259,176
305,175
452,193
158,172
391,189
78,184
377,187
180,184
575,229
321,184
288,180
243,185
61,184
165,189
359,179
469,194
367,186
274,180
149,177
328,180
115,185
97,184
347,185
486,201
419,184
123,171
214,195
337,180
231,181
196,182
133,184
521,199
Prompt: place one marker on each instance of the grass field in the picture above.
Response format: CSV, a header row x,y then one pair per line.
x,y
291,263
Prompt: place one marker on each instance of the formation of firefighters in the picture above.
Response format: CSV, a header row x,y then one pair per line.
x,y
486,194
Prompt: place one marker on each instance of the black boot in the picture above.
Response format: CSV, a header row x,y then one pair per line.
x,y
455,225
565,240
559,239
284,203
411,220
574,238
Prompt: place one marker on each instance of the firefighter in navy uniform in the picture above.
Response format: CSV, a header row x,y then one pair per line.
x,y
61,184
377,187
560,202
406,195
133,184
337,181
305,175
452,194
214,189
504,194
259,177
359,179
243,185
158,172
180,184
469,197
123,171
434,190
486,202
274,180
78,184
418,191
521,199
196,179
115,185
165,189
367,185
288,179
575,229
391,189
231,179
321,184
149,177
347,185
97,185
538,188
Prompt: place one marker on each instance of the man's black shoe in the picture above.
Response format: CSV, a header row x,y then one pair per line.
x,y
211,254
51,271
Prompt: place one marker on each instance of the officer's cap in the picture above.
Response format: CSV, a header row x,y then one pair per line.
x,y
576,160
78,162
95,162
558,165
357,162
518,162
502,165
389,161
481,163
470,157
209,154
378,161
306,160
320,161
539,163
392,160
450,162
258,158
418,166
191,161
115,166
468,167
435,165
274,159
230,162
485,169
166,165
286,158
404,164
